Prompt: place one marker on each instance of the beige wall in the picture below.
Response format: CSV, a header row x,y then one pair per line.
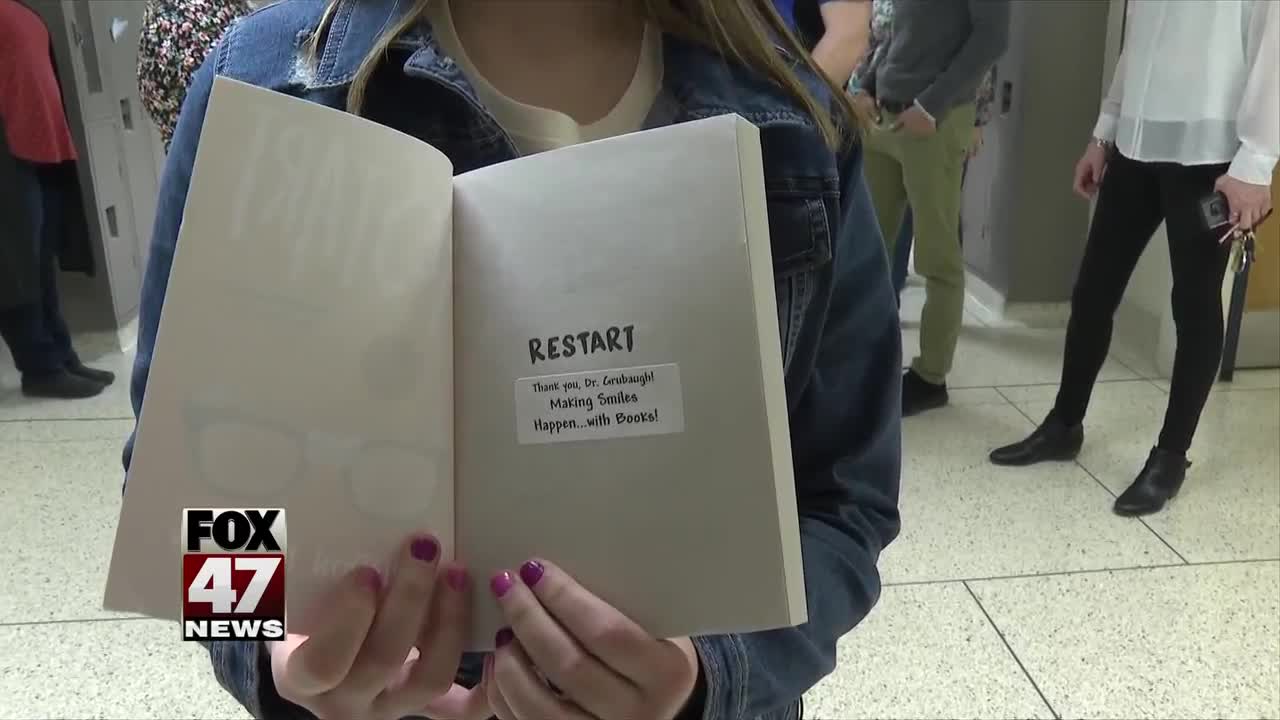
x,y
1264,280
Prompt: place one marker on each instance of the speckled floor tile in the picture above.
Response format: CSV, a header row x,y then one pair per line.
x,y
1229,508
975,396
925,652
112,403
965,518
1024,394
60,500
122,669
1242,380
59,431
991,357
1187,642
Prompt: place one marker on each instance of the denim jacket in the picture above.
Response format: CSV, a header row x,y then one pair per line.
x,y
836,313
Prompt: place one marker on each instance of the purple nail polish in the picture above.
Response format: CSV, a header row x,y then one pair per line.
x,y
531,572
425,549
501,584
504,637
457,579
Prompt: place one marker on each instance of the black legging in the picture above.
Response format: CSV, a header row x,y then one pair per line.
x,y
1135,197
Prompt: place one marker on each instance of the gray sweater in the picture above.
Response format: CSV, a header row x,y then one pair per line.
x,y
939,52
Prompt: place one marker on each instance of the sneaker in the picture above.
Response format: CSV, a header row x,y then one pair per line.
x,y
61,385
919,395
102,377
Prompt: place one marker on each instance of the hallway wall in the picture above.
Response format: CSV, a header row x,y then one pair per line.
x,y
1024,228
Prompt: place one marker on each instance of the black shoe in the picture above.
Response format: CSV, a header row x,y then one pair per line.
x,y
60,385
1053,440
79,369
1160,480
919,395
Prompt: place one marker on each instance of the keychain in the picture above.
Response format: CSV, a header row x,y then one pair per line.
x,y
1242,249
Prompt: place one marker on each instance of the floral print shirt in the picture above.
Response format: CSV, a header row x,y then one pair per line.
x,y
882,32
177,35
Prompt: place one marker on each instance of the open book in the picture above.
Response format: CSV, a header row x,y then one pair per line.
x,y
572,355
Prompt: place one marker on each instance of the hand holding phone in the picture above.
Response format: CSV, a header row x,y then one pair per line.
x,y
1246,204
1215,211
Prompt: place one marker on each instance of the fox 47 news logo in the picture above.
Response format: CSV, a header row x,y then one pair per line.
x,y
233,574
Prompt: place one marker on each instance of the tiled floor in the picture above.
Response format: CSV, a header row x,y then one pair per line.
x,y
1010,594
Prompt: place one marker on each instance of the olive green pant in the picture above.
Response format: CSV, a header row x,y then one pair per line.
x,y
926,173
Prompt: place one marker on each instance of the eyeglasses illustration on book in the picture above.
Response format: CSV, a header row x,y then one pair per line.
x,y
231,450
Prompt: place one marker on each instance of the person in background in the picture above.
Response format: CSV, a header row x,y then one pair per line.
x,y
836,32
496,80
921,88
881,31
1194,107
39,139
177,35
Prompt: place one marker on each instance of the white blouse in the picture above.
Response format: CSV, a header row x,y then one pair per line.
x,y
1198,83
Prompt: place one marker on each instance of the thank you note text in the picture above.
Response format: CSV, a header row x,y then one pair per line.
x,y
599,405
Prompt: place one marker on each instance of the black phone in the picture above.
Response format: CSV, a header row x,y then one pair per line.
x,y
1215,211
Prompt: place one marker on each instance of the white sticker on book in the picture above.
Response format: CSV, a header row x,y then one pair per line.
x,y
599,405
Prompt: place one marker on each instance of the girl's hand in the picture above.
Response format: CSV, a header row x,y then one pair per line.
x,y
1089,171
916,122
571,656
385,651
1248,203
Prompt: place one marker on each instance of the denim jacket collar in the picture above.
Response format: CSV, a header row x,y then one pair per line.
x,y
353,29
693,88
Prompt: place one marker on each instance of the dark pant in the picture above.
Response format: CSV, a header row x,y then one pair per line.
x,y
1135,198
35,332
902,252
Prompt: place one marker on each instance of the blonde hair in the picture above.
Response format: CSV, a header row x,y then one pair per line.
x,y
748,31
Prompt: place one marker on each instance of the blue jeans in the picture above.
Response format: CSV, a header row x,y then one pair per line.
x,y
902,253
36,332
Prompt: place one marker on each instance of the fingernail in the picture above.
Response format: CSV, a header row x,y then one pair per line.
x,y
425,549
504,637
457,578
501,584
531,572
370,578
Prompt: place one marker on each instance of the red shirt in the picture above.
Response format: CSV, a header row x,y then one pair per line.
x,y
35,122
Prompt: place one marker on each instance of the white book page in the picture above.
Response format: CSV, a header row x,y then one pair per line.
x,y
620,404
305,356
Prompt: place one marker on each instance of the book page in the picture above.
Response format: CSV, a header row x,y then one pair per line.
x,y
304,358
620,400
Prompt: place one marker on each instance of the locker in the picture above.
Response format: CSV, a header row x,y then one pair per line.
x,y
95,45
92,79
115,216
1024,230
118,24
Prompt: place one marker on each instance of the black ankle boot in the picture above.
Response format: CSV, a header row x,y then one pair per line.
x,y
1053,440
1160,480
102,377
60,385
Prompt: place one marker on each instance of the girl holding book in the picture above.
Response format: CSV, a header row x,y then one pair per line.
x,y
488,81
